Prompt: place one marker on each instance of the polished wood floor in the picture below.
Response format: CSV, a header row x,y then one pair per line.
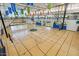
x,y
43,43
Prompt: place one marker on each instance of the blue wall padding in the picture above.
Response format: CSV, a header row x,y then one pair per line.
x,y
38,23
64,28
58,26
55,26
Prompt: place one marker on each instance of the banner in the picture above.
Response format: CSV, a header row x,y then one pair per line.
x,y
61,8
22,11
28,10
15,13
13,7
6,12
49,6
9,9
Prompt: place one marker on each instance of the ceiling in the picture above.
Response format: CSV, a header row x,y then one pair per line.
x,y
38,6
35,7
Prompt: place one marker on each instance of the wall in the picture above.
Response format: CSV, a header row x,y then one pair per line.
x,y
71,25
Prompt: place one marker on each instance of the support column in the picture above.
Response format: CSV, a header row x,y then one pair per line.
x,y
3,24
65,9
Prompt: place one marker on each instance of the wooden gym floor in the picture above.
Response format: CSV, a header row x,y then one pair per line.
x,y
43,43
